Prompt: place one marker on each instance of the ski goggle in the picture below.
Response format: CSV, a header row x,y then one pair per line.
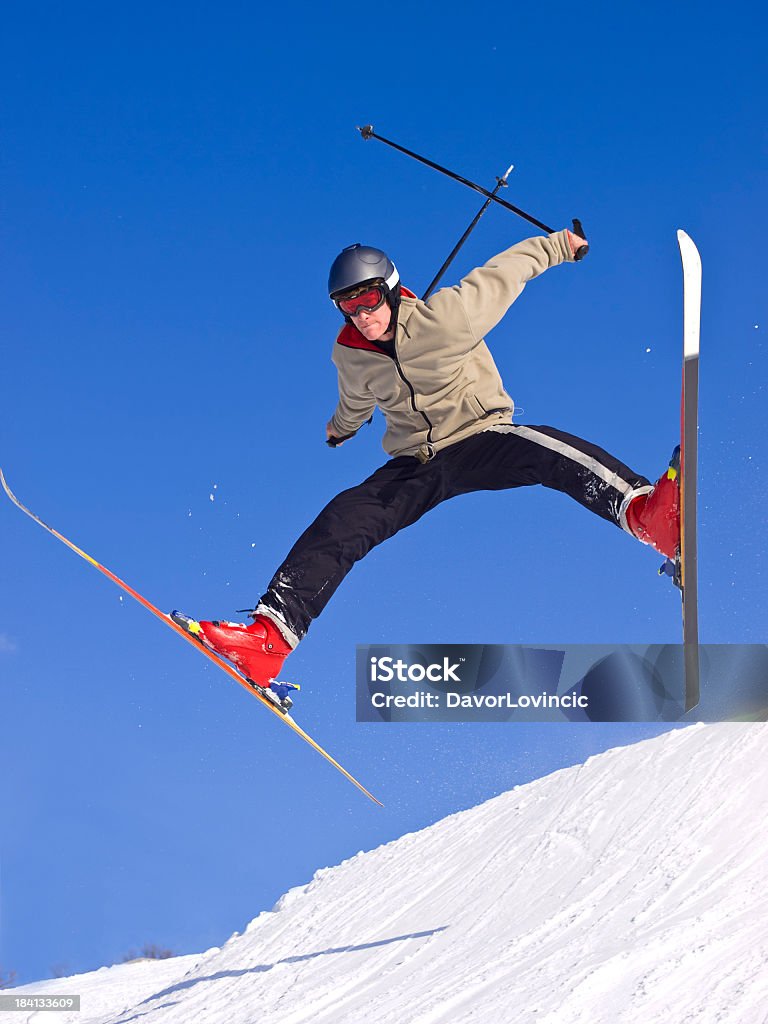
x,y
368,301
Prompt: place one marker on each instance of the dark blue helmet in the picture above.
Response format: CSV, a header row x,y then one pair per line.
x,y
361,264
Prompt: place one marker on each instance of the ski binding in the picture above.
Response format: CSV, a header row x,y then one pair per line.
x,y
281,701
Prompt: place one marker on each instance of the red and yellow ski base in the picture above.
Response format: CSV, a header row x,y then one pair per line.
x,y
166,619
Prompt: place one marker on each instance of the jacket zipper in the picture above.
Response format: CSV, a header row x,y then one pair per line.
x,y
413,393
404,379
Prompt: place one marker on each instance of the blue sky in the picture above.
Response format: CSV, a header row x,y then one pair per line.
x,y
175,181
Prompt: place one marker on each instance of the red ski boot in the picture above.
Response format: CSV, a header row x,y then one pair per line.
x,y
654,518
258,650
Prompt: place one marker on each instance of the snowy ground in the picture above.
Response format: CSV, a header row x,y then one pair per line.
x,y
632,888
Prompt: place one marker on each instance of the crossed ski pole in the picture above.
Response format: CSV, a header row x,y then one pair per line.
x,y
367,132
501,183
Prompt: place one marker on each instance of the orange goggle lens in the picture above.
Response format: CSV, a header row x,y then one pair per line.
x,y
368,300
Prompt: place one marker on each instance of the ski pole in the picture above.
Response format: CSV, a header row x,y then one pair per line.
x,y
502,183
367,132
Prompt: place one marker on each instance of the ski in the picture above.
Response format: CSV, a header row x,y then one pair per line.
x,y
689,420
253,689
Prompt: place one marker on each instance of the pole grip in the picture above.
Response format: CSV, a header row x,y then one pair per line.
x,y
582,251
334,442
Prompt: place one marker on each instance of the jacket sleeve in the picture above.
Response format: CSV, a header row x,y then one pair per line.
x,y
356,405
487,292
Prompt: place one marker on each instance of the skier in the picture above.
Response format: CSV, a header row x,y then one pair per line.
x,y
449,432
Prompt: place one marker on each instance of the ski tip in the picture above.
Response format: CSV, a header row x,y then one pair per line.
x,y
9,492
7,489
688,246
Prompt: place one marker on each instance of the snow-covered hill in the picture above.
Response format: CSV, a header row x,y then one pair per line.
x,y
633,888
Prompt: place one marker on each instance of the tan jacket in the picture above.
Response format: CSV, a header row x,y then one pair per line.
x,y
443,385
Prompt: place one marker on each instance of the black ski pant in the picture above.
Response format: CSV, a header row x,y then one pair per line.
x,y
403,489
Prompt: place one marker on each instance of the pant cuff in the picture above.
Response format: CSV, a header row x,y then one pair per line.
x,y
626,503
289,636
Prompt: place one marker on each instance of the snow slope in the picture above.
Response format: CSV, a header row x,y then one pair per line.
x,y
628,889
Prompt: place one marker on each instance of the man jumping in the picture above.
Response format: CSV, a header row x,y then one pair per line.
x,y
449,432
